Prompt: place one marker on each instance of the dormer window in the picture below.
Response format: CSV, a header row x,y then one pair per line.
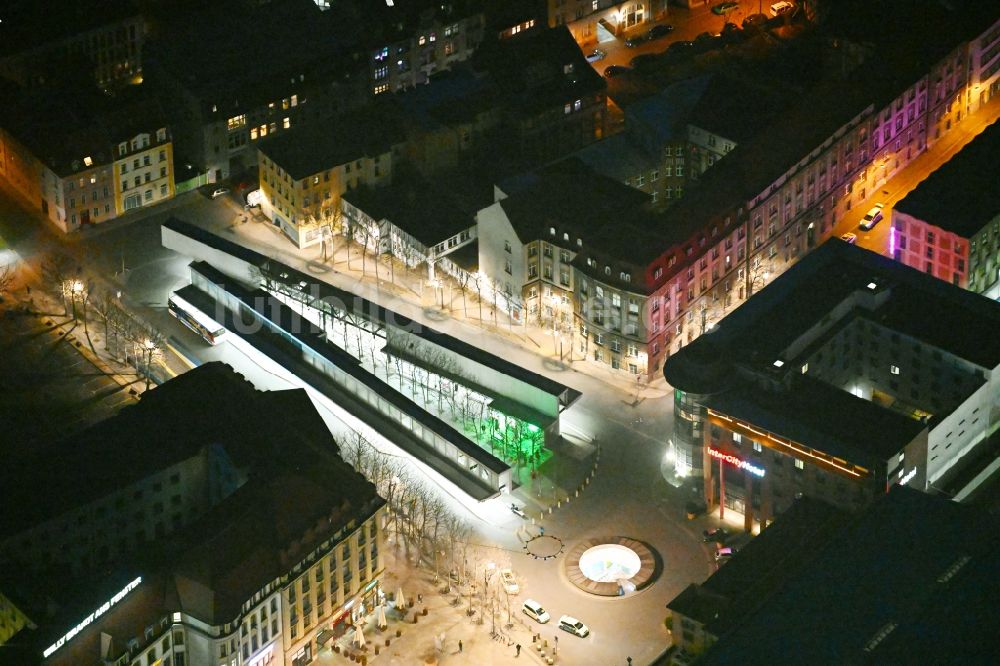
x,y
568,69
552,231
607,270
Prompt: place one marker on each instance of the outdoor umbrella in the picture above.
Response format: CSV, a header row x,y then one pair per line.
x,y
400,599
359,637
380,617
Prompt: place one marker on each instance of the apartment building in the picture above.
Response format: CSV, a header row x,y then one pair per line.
x,y
303,174
529,238
795,588
104,42
221,107
777,196
849,374
252,567
591,21
551,101
417,39
949,225
86,163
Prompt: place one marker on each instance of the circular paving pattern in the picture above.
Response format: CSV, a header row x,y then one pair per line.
x,y
610,566
544,547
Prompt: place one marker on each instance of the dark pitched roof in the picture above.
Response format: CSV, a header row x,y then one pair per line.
x,y
256,534
878,590
422,208
961,196
27,24
173,422
61,135
736,108
316,147
569,196
539,70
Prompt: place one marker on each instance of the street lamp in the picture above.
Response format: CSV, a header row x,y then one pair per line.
x,y
75,290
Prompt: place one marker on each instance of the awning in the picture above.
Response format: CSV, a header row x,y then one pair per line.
x,y
324,637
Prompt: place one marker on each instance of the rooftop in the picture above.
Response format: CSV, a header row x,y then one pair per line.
x,y
422,208
795,537
66,19
174,421
720,365
962,195
569,196
736,108
538,70
910,576
61,135
317,147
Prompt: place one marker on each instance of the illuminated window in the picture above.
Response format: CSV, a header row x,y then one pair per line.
x,y
286,123
295,100
263,131
270,105
799,464
87,161
381,73
382,54
237,122
379,89
433,37
577,105
284,103
422,40
757,447
894,369
253,134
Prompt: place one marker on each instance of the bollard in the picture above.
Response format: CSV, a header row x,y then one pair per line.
x,y
550,510
559,504
577,492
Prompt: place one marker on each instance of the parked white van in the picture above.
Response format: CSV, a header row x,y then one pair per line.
x,y
534,610
782,7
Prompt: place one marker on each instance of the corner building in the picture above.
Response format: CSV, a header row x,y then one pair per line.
x,y
848,375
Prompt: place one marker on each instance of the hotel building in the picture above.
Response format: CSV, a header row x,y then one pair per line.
x,y
848,375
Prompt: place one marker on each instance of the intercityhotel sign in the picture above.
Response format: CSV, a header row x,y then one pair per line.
x,y
93,616
736,462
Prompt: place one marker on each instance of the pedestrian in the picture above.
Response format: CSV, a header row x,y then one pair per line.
x,y
541,531
518,648
460,649
629,660
420,598
28,287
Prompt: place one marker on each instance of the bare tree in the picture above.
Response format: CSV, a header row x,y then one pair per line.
x,y
7,275
56,273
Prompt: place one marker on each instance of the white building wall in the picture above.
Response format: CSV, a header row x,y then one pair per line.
x,y
503,268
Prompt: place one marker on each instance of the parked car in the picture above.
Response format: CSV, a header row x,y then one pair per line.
x,y
534,610
510,585
597,54
611,71
635,40
219,191
731,33
724,7
872,217
849,238
659,31
716,534
682,45
783,7
643,60
755,21
724,554
573,626
518,511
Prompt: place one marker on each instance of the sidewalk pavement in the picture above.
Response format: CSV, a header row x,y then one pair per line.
x,y
421,301
416,645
